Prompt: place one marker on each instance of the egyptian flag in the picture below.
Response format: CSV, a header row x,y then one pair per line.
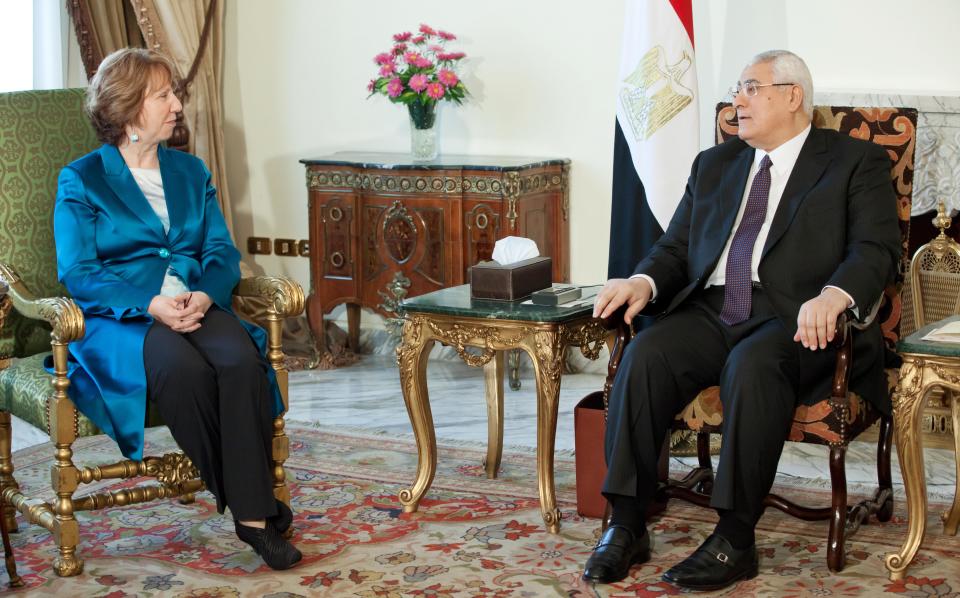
x,y
657,135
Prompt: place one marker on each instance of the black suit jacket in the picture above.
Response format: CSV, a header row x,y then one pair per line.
x,y
836,224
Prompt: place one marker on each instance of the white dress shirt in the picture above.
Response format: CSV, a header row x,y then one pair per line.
x,y
782,159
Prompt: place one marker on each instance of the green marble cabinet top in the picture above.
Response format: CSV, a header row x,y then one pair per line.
x,y
915,344
456,301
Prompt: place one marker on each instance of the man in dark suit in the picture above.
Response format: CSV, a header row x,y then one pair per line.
x,y
778,232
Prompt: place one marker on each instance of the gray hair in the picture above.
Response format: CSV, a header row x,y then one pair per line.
x,y
789,68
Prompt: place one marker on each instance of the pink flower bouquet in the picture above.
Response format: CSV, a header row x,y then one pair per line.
x,y
419,71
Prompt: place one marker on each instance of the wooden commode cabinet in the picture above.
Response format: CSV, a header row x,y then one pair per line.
x,y
383,227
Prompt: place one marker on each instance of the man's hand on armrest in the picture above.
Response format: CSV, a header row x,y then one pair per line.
x,y
817,320
633,292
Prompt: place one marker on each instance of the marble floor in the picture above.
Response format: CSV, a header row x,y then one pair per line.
x,y
367,395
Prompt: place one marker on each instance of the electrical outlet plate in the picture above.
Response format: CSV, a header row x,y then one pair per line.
x,y
303,247
258,245
285,247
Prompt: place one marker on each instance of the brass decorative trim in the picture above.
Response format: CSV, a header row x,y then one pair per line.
x,y
461,336
171,469
590,336
396,291
510,183
397,211
511,191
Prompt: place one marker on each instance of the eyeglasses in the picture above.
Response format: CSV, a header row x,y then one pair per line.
x,y
751,88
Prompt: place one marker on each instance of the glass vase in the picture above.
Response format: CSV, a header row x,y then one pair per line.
x,y
423,131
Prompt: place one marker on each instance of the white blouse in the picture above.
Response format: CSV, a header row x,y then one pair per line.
x,y
151,184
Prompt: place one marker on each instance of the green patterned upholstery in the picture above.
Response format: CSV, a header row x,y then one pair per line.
x,y
24,388
40,132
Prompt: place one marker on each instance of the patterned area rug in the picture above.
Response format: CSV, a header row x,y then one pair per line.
x,y
472,537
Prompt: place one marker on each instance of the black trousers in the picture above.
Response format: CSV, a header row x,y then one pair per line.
x,y
759,369
212,391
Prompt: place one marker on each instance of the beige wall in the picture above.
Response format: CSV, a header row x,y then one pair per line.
x,y
543,78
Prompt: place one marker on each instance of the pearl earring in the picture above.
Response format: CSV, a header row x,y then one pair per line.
x,y
134,137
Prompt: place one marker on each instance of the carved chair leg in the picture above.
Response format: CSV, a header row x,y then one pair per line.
x,y
704,486
281,444
11,563
64,474
663,462
836,555
7,511
187,499
884,477
952,519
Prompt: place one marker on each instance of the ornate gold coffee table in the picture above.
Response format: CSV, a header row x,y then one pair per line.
x,y
926,365
451,317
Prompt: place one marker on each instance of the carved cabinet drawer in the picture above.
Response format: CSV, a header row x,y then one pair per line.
x,y
383,228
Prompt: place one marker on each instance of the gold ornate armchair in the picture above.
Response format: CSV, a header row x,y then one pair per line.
x,y
843,415
40,131
935,276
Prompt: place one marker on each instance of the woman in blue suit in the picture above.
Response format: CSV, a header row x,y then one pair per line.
x,y
144,250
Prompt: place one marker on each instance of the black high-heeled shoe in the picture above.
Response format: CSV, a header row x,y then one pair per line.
x,y
273,548
282,520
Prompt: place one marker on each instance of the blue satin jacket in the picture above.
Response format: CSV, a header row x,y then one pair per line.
x,y
112,255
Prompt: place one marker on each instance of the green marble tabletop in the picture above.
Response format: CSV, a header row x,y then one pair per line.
x,y
456,301
915,343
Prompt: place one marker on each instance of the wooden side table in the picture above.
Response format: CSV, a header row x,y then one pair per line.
x,y
926,365
452,318
383,227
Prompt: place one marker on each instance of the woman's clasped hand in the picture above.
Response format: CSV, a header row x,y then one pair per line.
x,y
182,313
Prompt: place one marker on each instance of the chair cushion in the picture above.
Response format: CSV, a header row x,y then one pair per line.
x,y
24,390
820,423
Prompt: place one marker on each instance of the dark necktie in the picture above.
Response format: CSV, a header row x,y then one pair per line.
x,y
737,292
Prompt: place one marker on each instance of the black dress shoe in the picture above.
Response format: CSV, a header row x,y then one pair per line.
x,y
715,565
273,548
282,520
618,550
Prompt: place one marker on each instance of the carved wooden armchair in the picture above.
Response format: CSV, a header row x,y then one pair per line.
x,y
41,131
843,416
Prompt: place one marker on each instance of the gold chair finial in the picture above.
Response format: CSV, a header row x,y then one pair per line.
x,y
942,220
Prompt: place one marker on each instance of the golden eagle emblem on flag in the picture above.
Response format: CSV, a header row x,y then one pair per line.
x,y
653,93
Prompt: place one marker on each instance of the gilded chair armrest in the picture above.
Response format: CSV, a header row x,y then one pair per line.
x,y
284,295
63,314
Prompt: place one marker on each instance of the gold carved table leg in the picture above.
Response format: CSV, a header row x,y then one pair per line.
x,y
952,518
918,376
546,352
412,354
493,382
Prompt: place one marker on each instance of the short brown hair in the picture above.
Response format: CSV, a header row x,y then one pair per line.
x,y
118,88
